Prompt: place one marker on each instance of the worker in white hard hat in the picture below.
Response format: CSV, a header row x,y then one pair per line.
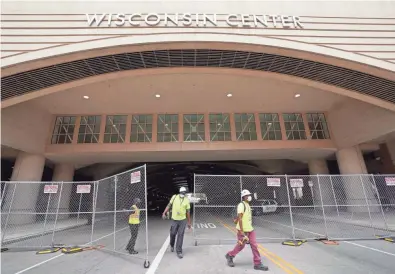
x,y
245,233
180,213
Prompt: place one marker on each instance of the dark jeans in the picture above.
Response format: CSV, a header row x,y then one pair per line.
x,y
134,231
177,229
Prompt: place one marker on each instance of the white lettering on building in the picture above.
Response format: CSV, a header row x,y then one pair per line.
x,y
195,19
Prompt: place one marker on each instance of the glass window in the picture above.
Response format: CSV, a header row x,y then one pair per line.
x,y
294,126
115,130
220,127
141,130
167,128
270,126
63,130
318,126
245,126
89,130
194,128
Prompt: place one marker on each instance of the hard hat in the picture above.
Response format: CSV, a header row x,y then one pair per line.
x,y
245,192
183,189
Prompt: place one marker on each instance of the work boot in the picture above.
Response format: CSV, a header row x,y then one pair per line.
x,y
261,267
172,248
133,252
179,255
229,259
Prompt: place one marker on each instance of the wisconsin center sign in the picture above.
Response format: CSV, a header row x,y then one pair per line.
x,y
194,20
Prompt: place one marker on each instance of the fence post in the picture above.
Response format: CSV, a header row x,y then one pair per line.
x,y
194,208
334,196
146,210
57,213
367,204
290,209
241,187
8,215
45,219
79,208
381,205
322,203
115,208
95,190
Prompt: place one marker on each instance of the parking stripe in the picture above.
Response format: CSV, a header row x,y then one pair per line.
x,y
284,265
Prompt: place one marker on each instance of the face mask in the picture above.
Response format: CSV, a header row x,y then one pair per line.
x,y
249,198
182,195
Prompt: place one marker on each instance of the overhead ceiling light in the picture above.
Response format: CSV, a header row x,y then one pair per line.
x,y
86,97
157,95
297,95
229,95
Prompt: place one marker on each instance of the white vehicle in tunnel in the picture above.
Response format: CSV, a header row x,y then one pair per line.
x,y
265,206
197,197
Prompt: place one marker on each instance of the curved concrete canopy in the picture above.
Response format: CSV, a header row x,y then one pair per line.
x,y
20,84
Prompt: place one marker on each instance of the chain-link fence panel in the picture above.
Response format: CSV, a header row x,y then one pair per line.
x,y
306,207
73,214
385,190
111,212
213,216
119,221
270,207
356,212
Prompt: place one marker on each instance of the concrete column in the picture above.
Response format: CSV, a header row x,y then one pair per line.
x,y
63,173
351,162
320,167
28,168
391,150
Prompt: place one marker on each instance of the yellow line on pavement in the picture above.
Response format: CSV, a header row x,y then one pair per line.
x,y
284,265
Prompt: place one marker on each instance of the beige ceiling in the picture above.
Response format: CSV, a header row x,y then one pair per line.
x,y
197,92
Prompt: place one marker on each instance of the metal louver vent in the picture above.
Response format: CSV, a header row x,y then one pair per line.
x,y
30,81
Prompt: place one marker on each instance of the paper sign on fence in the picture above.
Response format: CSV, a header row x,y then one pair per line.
x,y
83,188
390,181
51,189
274,182
296,182
135,177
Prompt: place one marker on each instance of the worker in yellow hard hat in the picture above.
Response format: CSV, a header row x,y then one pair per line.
x,y
245,233
134,224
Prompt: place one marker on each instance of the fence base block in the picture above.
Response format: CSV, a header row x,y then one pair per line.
x,y
48,250
71,250
294,242
4,249
328,242
390,239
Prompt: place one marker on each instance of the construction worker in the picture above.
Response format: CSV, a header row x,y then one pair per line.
x,y
180,212
134,223
245,233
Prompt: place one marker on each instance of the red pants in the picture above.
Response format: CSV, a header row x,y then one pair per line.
x,y
254,246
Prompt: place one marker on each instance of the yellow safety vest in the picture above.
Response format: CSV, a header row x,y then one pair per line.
x,y
134,218
247,217
180,206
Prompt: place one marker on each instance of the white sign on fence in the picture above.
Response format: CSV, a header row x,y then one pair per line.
x,y
135,177
296,182
51,189
274,182
83,188
390,181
